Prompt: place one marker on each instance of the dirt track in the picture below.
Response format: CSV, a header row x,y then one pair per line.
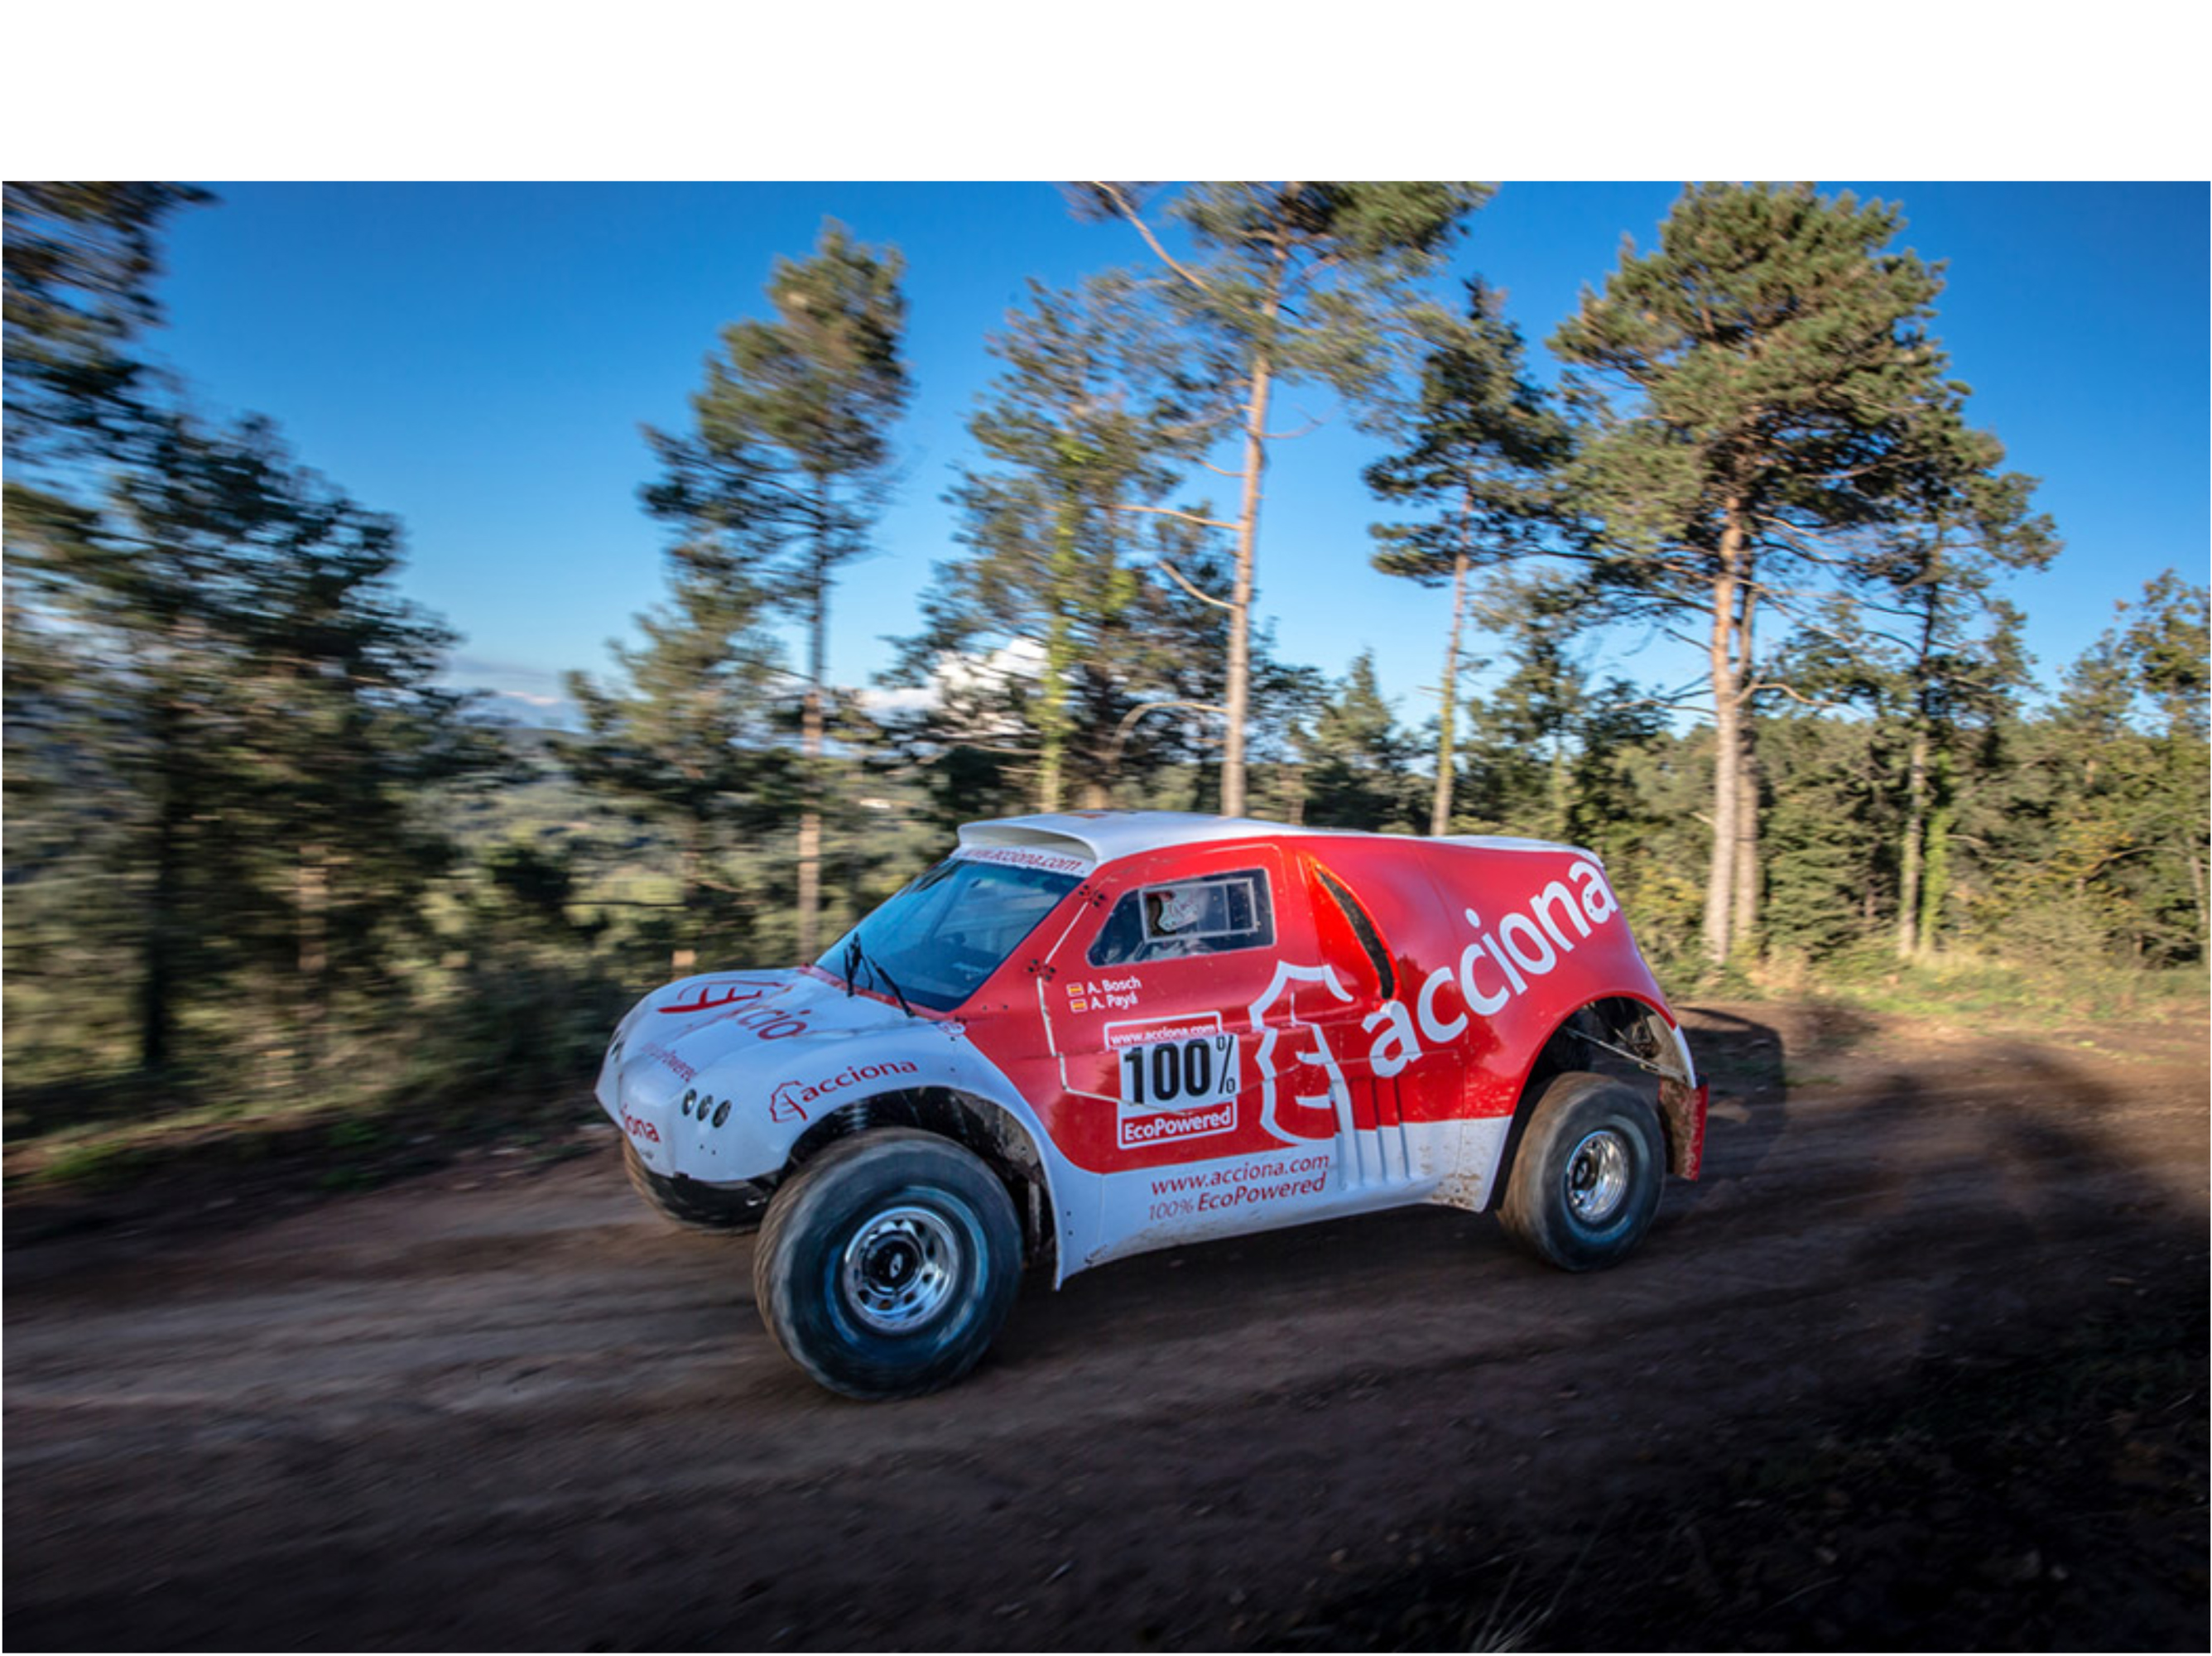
x,y
479,1410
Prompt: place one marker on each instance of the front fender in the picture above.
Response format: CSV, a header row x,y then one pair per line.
x,y
723,1098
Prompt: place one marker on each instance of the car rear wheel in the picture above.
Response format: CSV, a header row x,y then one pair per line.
x,y
688,1203
887,1264
1585,1181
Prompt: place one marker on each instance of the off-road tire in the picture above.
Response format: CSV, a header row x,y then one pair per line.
x,y
688,1203
1585,1181
887,1264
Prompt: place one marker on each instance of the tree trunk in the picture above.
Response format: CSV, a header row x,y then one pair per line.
x,y
1059,654
1558,787
1743,928
1238,696
1909,853
1440,807
156,1013
1744,923
1912,936
810,856
1727,741
687,866
312,890
810,820
1935,877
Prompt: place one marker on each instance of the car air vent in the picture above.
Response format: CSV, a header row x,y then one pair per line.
x,y
1363,928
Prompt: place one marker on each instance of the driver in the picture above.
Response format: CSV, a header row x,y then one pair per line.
x,y
1168,913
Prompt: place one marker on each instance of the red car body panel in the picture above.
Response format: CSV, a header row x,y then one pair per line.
x,y
1222,1027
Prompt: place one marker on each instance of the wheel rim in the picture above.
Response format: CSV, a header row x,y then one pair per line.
x,y
1597,1177
901,1269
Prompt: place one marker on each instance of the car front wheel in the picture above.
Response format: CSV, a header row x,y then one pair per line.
x,y
1586,1179
887,1264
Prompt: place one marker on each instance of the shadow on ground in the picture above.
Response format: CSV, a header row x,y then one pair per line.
x,y
2034,1476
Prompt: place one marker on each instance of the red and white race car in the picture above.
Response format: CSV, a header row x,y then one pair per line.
x,y
1088,1035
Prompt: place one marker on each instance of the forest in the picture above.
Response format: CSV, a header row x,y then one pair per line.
x,y
262,857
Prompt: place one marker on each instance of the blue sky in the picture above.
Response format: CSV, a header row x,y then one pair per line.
x,y
479,359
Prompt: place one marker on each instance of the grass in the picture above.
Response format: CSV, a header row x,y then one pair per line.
x,y
347,1138
2028,995
1995,993
492,1052
95,1164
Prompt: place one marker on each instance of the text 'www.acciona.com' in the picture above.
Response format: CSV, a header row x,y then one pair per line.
x,y
1235,1187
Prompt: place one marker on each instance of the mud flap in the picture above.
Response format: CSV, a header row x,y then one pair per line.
x,y
1682,1109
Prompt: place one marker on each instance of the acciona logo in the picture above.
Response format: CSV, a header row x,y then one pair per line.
x,y
789,1102
1494,968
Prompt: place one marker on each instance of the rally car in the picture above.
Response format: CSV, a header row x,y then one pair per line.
x,y
1086,1035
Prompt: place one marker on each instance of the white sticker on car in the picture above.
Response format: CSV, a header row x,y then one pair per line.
x,y
1179,1088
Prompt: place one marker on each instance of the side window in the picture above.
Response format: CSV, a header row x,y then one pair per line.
x,y
1211,915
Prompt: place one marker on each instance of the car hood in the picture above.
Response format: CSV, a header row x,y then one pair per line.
x,y
781,1049
764,1018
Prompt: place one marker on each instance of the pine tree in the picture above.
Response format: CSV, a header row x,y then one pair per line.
x,y
1290,281
80,261
1485,445
2119,775
1145,676
1358,762
348,732
1831,835
2168,639
787,465
1783,391
686,735
1929,583
1078,426
255,712
1531,723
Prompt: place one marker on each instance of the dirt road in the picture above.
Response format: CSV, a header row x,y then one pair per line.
x,y
502,1407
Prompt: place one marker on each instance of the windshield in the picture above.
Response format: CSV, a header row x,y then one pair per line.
x,y
943,935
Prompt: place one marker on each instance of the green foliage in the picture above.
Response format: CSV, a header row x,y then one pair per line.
x,y
1828,834
1292,281
1361,771
776,484
1778,349
1765,396
779,481
80,261
2100,836
1484,450
1071,607
1484,445
263,867
687,737
1313,281
247,721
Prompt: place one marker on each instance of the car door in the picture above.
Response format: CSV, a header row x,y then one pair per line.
x,y
1147,1005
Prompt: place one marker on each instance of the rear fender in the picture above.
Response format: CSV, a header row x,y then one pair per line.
x,y
1632,1027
